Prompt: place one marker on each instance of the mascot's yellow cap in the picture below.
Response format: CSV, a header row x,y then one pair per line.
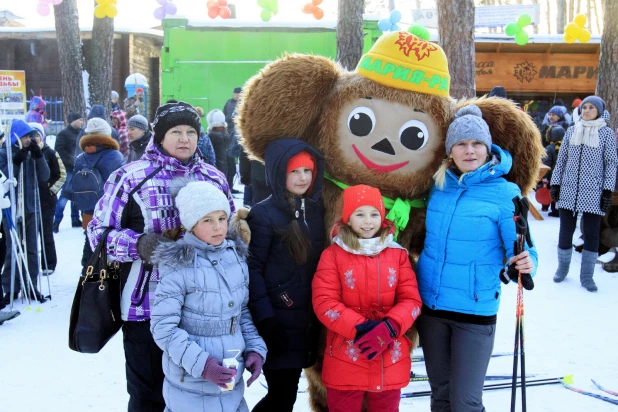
x,y
405,61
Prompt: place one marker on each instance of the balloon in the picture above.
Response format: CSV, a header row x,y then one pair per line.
x,y
568,39
212,3
266,15
318,13
273,5
162,2
521,37
395,27
523,20
99,12
225,12
584,36
213,12
308,8
45,1
57,2
42,9
159,13
112,11
580,20
395,16
170,8
419,31
263,3
222,3
511,29
316,2
572,30
384,24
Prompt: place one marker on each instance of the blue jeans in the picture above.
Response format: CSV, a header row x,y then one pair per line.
x,y
62,202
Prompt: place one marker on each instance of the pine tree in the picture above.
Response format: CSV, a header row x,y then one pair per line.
x,y
350,32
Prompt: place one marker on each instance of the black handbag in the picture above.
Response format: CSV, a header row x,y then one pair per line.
x,y
95,313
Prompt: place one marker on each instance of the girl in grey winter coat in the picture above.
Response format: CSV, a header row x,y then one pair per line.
x,y
200,315
583,181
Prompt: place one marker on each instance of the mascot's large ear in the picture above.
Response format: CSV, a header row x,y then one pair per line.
x,y
284,99
513,130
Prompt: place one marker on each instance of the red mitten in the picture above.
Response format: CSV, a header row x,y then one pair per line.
x,y
215,372
376,341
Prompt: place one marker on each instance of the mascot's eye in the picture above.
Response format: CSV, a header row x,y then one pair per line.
x,y
413,134
361,121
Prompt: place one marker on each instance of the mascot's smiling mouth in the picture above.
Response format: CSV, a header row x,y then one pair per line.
x,y
376,167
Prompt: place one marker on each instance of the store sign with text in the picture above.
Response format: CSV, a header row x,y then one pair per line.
x,y
12,95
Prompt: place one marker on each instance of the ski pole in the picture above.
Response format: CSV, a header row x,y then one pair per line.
x,y
11,176
41,233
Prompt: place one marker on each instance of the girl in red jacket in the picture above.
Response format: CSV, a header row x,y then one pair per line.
x,y
366,295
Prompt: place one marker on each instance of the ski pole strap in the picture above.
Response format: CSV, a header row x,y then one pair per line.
x,y
398,209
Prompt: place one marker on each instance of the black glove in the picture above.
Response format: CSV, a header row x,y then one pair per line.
x,y
147,244
554,192
606,200
511,275
273,334
366,326
35,150
20,156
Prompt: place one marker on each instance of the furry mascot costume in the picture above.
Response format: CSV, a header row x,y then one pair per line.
x,y
383,125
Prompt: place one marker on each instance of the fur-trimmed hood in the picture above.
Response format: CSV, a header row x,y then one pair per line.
x,y
183,252
99,140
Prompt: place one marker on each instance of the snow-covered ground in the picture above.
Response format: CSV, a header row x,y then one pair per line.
x,y
567,329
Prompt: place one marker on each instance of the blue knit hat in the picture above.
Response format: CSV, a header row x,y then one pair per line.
x,y
597,102
19,129
560,111
468,125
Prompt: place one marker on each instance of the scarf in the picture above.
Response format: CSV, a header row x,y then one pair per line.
x,y
587,132
369,247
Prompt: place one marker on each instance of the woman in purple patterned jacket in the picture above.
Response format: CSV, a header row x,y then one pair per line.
x,y
138,206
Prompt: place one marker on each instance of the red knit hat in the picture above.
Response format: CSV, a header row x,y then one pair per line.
x,y
361,195
576,103
302,159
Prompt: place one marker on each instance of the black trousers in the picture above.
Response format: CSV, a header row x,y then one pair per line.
x,y
592,233
231,171
47,213
282,389
32,257
143,367
86,253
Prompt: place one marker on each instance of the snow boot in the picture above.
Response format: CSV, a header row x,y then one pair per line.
x,y
56,227
564,261
8,315
589,259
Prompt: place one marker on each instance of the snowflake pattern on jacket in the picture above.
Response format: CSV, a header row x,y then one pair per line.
x,y
349,278
396,351
333,315
352,351
392,277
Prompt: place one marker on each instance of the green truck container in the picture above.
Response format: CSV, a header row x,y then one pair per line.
x,y
202,62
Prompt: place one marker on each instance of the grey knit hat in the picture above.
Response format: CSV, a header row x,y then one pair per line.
x,y
597,102
139,122
115,94
98,126
468,125
197,199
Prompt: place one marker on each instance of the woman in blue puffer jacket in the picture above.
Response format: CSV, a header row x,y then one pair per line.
x,y
470,231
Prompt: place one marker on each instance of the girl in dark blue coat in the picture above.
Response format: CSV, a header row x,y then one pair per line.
x,y
287,238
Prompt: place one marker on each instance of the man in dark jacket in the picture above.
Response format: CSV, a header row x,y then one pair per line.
x,y
65,147
96,111
139,134
230,108
48,198
28,155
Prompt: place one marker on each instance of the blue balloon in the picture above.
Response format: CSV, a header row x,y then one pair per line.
x,y
384,24
395,27
395,16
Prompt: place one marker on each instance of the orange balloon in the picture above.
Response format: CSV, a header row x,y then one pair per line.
x,y
212,3
318,13
213,12
316,2
225,12
308,8
222,3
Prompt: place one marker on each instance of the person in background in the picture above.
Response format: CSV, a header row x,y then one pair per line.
x,y
204,307
567,116
575,108
135,104
36,114
65,147
138,206
207,150
119,123
98,111
217,133
584,189
24,153
459,270
138,130
556,117
552,150
498,91
48,192
115,106
5,202
253,176
230,108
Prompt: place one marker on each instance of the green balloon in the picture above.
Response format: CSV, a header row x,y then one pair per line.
x,y
262,3
273,5
419,31
521,37
266,15
523,20
512,29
